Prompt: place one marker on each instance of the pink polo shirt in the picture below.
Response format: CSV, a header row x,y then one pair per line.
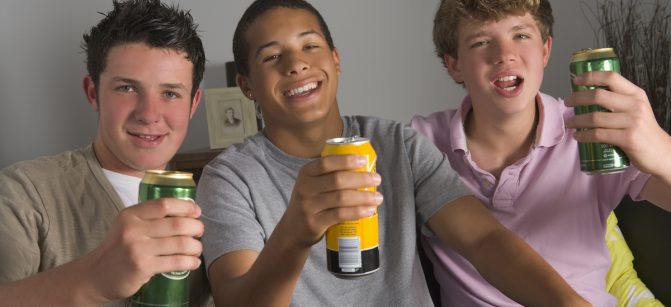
x,y
544,198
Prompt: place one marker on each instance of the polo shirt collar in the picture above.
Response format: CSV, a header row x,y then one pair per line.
x,y
551,129
549,132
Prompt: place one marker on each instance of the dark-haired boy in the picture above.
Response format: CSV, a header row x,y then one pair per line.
x,y
515,148
71,232
268,201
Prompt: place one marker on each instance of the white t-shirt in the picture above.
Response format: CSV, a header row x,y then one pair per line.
x,y
126,186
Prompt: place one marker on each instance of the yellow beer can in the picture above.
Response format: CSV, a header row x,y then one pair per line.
x,y
352,247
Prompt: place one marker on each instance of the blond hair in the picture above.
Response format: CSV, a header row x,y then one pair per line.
x,y
451,12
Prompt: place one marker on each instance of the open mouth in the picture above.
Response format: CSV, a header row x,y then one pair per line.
x,y
508,83
146,137
304,90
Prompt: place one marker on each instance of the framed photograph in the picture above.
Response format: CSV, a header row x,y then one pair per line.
x,y
231,116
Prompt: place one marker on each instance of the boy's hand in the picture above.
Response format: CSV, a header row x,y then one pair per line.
x,y
631,125
325,193
154,237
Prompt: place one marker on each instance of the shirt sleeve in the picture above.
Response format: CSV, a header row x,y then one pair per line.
x,y
20,227
436,183
612,187
227,213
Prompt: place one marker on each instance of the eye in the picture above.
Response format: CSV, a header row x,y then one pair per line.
x,y
311,46
126,88
479,43
271,57
171,95
522,36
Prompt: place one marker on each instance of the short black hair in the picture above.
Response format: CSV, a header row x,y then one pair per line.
x,y
144,21
256,9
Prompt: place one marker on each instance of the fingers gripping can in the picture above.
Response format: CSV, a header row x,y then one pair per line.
x,y
352,247
172,288
597,158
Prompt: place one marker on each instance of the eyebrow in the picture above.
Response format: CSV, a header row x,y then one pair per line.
x,y
275,43
513,29
164,85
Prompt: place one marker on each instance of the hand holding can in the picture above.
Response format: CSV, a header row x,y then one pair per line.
x,y
352,247
171,288
596,158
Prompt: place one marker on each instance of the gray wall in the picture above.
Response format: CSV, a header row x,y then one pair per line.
x,y
389,69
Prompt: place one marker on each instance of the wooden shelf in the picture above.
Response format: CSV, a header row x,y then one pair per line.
x,y
193,161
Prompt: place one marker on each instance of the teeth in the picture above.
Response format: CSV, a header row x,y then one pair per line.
x,y
147,137
297,91
507,78
510,88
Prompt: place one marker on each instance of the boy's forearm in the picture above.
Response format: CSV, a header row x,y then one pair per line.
x,y
270,280
657,191
663,169
514,268
65,285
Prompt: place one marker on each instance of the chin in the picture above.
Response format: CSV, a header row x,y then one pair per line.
x,y
150,163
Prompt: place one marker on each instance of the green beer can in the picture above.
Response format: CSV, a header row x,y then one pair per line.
x,y
172,288
597,158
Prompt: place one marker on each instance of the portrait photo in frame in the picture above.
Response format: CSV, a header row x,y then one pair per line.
x,y
231,117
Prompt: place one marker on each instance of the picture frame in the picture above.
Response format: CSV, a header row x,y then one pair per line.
x,y
231,116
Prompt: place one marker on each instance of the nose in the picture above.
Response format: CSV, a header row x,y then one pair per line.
x,y
147,109
295,64
504,52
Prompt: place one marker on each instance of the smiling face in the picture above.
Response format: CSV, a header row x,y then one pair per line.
x,y
501,63
144,106
293,74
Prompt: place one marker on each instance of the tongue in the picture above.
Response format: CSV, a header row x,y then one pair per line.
x,y
504,84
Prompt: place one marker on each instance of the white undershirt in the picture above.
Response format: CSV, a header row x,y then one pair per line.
x,y
127,187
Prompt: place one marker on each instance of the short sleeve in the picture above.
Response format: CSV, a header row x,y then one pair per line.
x,y
436,183
228,213
20,227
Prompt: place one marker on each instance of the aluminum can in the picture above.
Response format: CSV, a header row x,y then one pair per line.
x,y
172,288
597,158
352,247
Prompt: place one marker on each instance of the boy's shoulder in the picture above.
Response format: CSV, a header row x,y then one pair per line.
x,y
556,105
46,167
250,146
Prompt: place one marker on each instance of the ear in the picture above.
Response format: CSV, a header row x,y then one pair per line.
x,y
195,102
243,84
91,93
336,59
547,49
452,65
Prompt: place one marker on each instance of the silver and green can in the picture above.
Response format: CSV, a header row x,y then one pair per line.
x,y
172,288
597,158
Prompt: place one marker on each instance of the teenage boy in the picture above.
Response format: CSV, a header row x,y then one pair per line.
x,y
71,234
517,150
268,201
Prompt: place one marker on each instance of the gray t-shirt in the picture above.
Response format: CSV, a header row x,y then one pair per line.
x,y
245,190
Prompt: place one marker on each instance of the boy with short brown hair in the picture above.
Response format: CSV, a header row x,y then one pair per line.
x,y
514,147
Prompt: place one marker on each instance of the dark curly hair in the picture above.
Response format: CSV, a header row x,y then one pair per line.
x,y
144,21
256,9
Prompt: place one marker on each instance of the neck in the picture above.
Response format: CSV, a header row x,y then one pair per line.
x,y
305,140
502,133
497,141
108,161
